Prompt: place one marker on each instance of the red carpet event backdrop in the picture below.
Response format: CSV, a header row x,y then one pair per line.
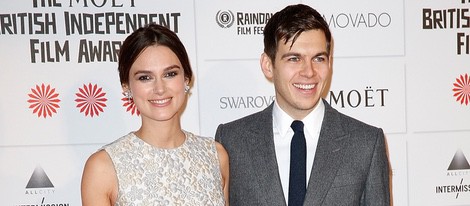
x,y
403,66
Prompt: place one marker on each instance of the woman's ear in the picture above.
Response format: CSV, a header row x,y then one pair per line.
x,y
125,87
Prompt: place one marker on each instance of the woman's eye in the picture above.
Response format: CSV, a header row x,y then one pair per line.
x,y
171,74
144,78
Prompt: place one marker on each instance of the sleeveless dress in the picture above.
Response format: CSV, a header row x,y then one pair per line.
x,y
186,175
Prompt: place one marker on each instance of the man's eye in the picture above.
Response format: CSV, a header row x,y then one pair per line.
x,y
319,59
294,59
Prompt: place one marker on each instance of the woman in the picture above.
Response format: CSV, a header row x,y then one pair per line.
x,y
159,164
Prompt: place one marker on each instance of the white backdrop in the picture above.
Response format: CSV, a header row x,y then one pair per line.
x,y
400,65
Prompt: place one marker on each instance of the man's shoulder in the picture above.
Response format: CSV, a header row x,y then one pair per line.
x,y
252,122
347,121
260,116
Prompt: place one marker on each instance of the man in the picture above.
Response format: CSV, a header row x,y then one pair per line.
x,y
345,162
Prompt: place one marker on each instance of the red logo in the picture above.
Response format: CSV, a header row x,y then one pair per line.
x,y
91,100
129,104
44,101
462,89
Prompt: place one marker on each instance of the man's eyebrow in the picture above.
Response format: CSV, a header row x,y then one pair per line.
x,y
289,54
322,53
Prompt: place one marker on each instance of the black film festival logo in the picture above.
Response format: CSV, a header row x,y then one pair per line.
x,y
225,19
459,162
39,183
458,167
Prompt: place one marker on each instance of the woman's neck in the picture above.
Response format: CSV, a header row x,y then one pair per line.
x,y
162,134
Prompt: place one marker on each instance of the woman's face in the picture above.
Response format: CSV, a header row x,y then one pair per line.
x,y
157,82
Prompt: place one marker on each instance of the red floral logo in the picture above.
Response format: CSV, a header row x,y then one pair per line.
x,y
44,101
130,106
462,89
91,100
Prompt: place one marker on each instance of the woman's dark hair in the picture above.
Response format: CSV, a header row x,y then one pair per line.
x,y
149,35
289,23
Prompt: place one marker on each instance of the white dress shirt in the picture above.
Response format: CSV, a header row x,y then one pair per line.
x,y
283,135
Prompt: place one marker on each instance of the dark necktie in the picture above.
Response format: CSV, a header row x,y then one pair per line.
x,y
298,159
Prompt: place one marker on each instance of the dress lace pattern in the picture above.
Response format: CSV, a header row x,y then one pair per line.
x,y
186,175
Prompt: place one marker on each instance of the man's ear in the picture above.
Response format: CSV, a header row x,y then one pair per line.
x,y
266,66
332,46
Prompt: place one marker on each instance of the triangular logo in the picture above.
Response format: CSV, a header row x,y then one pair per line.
x,y
459,162
39,179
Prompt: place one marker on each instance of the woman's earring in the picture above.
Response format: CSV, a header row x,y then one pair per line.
x,y
186,88
128,95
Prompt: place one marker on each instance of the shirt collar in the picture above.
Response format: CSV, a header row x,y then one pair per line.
x,y
312,122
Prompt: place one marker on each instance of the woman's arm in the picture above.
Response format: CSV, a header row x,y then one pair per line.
x,y
224,169
99,181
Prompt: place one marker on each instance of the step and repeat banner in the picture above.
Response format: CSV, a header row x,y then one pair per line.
x,y
403,66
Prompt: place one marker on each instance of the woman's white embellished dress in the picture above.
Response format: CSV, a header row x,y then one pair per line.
x,y
186,175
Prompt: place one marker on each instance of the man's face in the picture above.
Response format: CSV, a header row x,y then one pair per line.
x,y
300,73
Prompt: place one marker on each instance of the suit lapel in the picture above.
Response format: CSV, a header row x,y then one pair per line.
x,y
327,157
264,159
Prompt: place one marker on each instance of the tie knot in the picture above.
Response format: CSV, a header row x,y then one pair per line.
x,y
297,126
